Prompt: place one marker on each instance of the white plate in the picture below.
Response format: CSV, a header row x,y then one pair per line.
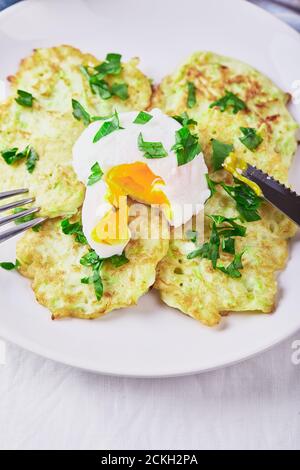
x,y
150,339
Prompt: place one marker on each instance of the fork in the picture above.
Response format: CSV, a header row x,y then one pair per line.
x,y
12,232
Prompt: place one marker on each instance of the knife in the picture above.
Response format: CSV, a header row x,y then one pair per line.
x,y
283,198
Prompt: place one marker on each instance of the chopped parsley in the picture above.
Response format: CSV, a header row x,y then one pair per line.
x,y
100,86
118,260
69,228
80,113
26,218
111,66
24,98
251,139
187,146
143,118
120,90
108,127
185,120
92,260
10,266
247,201
96,174
151,149
229,100
223,231
31,159
13,155
95,262
233,269
191,98
220,152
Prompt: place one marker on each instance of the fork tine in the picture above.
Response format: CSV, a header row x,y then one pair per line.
x,y
12,205
14,192
19,215
20,229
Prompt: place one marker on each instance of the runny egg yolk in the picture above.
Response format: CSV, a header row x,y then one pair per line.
x,y
113,227
137,181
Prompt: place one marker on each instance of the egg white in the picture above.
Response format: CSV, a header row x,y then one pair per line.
x,y
185,186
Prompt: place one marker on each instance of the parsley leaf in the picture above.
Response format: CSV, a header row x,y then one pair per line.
x,y
251,138
10,266
187,146
118,260
73,229
13,155
100,86
191,99
24,98
31,159
96,174
108,127
185,120
220,151
120,90
80,113
230,100
233,268
24,219
222,232
142,118
247,201
151,149
111,66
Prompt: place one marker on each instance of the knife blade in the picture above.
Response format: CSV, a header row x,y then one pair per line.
x,y
280,196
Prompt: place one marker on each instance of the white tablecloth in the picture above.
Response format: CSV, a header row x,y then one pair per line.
x,y
253,405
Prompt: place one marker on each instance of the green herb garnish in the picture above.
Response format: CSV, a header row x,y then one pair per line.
x,y
223,231
230,100
96,174
185,120
108,127
10,266
151,149
100,86
191,99
142,118
24,98
247,201
187,146
212,185
220,152
31,159
120,90
80,113
233,269
69,228
13,155
111,66
192,235
251,138
95,262
118,260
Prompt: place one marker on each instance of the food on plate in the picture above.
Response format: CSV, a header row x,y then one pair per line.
x,y
134,183
38,114
72,281
239,111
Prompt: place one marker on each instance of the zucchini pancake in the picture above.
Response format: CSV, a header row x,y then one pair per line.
x,y
63,103
227,98
39,126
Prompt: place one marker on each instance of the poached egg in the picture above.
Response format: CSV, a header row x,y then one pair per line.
x,y
179,191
